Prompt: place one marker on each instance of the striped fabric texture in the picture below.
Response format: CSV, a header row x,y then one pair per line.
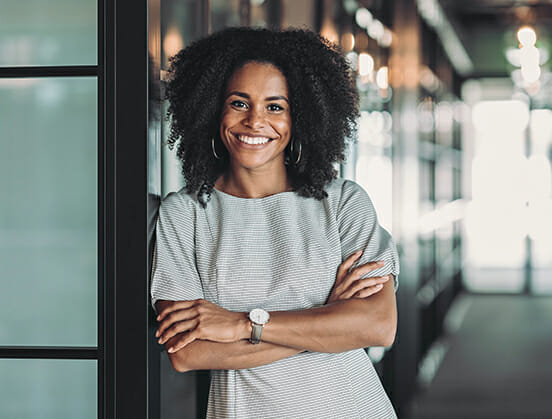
x,y
280,252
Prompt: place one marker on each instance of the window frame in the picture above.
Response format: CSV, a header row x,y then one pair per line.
x,y
123,341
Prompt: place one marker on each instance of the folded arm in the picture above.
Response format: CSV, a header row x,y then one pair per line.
x,y
206,354
209,342
337,327
361,312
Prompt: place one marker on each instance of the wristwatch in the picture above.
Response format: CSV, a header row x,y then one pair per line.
x,y
259,318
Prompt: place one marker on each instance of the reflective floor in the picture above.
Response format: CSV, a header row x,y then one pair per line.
x,y
498,364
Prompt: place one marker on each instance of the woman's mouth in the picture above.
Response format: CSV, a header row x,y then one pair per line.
x,y
253,140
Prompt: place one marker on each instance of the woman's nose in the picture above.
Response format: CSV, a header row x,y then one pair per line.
x,y
254,119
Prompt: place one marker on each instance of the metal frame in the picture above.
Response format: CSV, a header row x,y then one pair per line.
x,y
50,71
123,362
48,352
122,77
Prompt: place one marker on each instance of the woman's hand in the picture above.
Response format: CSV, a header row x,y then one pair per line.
x,y
199,319
349,284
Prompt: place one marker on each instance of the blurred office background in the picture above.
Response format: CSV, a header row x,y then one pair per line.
x,y
454,147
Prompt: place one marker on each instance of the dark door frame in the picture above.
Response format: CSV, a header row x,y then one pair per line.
x,y
124,313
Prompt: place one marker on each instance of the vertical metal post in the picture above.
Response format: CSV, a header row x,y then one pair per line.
x,y
404,64
124,93
106,202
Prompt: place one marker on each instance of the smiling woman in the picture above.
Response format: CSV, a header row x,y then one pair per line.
x,y
322,103
268,270
255,128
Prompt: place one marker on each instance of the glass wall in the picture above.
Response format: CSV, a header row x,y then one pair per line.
x,y
48,389
508,227
48,224
49,212
57,32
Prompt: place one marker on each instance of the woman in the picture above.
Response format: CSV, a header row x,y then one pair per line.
x,y
265,245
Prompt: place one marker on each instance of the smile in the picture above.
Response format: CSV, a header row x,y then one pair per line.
x,y
253,140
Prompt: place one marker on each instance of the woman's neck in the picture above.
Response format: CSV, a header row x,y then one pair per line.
x,y
253,184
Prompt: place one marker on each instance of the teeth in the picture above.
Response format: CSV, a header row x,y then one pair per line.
x,y
253,140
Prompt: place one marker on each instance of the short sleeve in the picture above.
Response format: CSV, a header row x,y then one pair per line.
x,y
174,271
359,230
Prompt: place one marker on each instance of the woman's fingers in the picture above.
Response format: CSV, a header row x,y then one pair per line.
x,y
199,319
366,283
347,264
177,328
356,273
347,282
175,317
181,341
366,268
175,306
367,292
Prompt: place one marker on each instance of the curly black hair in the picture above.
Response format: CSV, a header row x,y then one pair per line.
x,y
322,96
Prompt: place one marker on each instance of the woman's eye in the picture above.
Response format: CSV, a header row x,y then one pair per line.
x,y
238,104
273,107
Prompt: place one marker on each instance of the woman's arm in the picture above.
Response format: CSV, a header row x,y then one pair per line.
x,y
336,327
205,354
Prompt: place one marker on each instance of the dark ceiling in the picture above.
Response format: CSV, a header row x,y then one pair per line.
x,y
488,27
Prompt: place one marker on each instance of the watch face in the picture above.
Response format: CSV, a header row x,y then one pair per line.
x,y
259,315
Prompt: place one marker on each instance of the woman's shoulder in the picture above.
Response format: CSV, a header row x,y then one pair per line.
x,y
342,190
179,201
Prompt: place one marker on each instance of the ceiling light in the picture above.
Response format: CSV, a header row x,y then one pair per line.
x,y
363,17
382,78
350,6
527,36
365,64
386,38
376,29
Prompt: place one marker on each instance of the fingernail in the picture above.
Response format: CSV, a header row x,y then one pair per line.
x,y
160,341
157,334
170,350
381,262
359,252
379,285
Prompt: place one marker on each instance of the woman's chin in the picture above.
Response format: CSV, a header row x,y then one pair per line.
x,y
257,162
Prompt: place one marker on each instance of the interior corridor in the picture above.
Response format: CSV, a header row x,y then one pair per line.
x,y
496,365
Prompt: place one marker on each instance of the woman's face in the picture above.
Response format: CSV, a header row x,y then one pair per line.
x,y
255,125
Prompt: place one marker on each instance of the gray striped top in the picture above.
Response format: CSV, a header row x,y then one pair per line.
x,y
280,252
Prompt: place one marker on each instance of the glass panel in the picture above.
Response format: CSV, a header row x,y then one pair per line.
x,y
36,388
259,13
496,217
48,166
180,24
224,13
55,32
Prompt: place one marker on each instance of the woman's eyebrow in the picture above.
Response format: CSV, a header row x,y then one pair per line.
x,y
236,93
277,98
246,96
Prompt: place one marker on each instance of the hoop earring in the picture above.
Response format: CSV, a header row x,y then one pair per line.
x,y
298,154
213,148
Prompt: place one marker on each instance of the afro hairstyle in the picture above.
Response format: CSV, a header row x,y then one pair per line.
x,y
322,96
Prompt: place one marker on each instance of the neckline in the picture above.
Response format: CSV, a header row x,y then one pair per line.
x,y
268,197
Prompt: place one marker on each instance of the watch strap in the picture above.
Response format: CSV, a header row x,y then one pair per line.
x,y
256,331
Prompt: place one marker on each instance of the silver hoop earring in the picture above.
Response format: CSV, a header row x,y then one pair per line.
x,y
298,154
214,150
